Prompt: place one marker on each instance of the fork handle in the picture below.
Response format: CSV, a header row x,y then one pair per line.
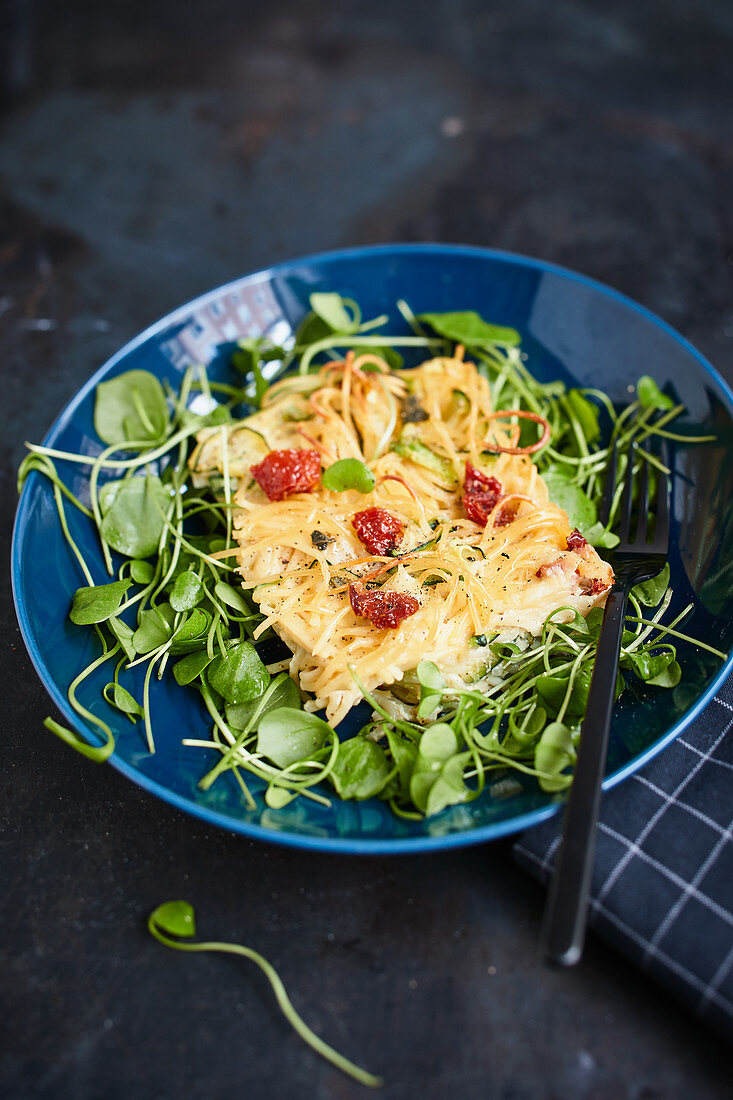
x,y
566,910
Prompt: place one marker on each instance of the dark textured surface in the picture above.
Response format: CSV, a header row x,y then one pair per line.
x,y
148,152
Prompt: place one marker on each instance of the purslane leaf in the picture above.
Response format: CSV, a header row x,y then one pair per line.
x,y
469,328
650,396
669,677
554,756
567,494
142,572
98,603
404,754
651,592
187,591
155,628
240,675
175,918
133,515
361,769
282,692
191,632
131,408
449,788
232,597
122,700
286,735
331,309
189,668
432,686
124,635
586,414
437,744
348,473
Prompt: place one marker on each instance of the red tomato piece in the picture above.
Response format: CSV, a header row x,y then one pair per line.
x,y
378,529
481,494
576,541
384,609
282,473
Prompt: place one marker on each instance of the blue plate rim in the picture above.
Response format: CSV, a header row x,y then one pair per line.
x,y
345,846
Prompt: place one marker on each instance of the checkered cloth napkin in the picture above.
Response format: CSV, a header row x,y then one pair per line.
x,y
663,878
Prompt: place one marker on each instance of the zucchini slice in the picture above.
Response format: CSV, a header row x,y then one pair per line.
x,y
409,445
245,447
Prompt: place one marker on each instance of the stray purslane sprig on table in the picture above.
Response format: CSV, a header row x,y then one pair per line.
x,y
168,542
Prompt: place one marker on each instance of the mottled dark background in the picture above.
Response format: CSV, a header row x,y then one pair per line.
x,y
149,151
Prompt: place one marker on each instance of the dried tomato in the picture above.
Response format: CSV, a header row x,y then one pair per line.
x,y
592,586
576,540
481,494
506,514
378,529
384,609
282,473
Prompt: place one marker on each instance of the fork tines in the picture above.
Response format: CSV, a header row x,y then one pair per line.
x,y
634,507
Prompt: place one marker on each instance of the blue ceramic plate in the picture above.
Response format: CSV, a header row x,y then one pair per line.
x,y
574,329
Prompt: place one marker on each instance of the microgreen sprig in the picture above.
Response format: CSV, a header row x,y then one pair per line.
x,y
173,925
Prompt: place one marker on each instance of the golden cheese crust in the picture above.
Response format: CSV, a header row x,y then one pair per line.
x,y
418,431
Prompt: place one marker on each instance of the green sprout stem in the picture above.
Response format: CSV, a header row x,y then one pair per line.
x,y
284,1003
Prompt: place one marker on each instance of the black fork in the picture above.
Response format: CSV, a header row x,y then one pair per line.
x,y
640,555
